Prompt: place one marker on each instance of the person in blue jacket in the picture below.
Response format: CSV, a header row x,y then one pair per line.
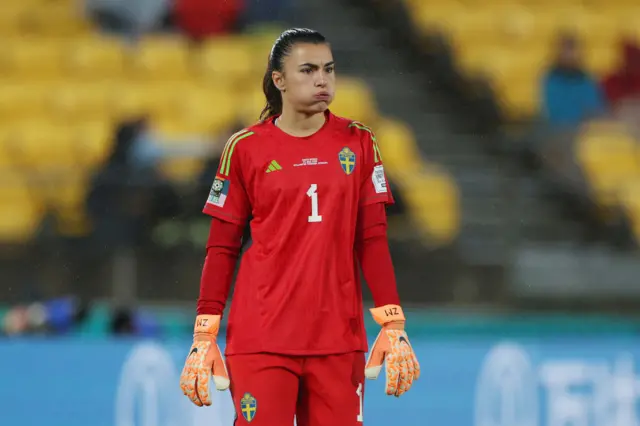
x,y
570,94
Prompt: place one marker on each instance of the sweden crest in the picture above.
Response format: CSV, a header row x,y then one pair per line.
x,y
347,160
248,406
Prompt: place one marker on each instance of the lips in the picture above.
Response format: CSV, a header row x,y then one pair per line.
x,y
322,96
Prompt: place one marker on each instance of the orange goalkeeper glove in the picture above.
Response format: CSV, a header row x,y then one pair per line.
x,y
392,346
204,359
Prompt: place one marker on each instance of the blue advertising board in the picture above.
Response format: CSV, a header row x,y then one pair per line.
x,y
466,380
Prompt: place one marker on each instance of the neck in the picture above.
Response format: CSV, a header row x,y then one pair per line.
x,y
298,123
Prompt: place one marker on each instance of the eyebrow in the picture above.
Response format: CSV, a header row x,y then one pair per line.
x,y
316,65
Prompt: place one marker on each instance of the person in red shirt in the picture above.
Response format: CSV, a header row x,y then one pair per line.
x,y
315,189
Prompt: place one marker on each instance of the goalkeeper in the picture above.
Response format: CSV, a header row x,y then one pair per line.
x,y
315,187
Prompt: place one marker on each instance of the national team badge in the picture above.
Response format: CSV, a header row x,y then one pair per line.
x,y
248,406
219,191
347,160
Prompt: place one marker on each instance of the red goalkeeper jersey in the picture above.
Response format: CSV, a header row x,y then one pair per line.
x,y
298,290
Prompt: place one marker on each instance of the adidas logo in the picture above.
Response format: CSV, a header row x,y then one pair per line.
x,y
273,167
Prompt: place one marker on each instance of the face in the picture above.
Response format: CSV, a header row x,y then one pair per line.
x,y
570,54
307,80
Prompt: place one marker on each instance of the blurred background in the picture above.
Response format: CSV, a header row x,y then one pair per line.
x,y
510,132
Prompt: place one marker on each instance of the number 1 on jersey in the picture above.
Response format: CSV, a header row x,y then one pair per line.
x,y
312,193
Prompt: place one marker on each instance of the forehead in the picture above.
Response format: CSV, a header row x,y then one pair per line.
x,y
306,53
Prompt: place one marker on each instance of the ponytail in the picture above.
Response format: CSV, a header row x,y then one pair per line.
x,y
281,49
272,95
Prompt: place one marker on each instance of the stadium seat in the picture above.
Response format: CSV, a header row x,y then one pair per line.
x,y
20,100
181,169
10,20
129,101
399,150
251,105
161,59
196,109
95,59
20,214
28,58
608,157
228,61
355,100
432,198
92,142
55,18
6,162
79,102
42,147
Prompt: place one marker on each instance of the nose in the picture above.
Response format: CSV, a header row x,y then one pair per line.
x,y
321,81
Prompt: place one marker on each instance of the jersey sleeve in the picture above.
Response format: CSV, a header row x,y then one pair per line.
x,y
228,199
374,187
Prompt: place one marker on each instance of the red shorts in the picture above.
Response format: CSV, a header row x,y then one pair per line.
x,y
269,390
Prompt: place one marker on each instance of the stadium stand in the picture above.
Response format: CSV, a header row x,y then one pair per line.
x,y
512,45
65,87
509,42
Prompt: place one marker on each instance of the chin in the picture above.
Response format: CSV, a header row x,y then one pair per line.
x,y
319,107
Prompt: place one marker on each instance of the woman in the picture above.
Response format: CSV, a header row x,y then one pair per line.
x,y
315,188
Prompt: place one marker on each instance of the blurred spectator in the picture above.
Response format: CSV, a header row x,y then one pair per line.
x,y
199,19
569,94
624,83
128,17
128,194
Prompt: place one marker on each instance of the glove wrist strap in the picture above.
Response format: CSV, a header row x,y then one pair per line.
x,y
207,324
388,313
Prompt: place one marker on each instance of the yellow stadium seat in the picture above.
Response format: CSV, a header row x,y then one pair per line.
x,y
161,58
57,19
520,98
251,105
92,142
10,20
20,99
20,214
6,162
95,58
354,100
78,101
608,157
196,110
436,16
42,147
129,101
260,44
602,60
227,60
398,147
181,169
433,201
32,58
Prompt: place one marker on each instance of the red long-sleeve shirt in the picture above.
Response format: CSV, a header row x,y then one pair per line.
x,y
372,249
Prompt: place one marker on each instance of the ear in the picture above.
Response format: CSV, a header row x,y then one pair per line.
x,y
278,80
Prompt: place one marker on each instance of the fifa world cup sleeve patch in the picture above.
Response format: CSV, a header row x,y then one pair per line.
x,y
219,191
379,181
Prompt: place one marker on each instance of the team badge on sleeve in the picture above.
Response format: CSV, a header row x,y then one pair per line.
x,y
219,191
347,160
248,406
379,180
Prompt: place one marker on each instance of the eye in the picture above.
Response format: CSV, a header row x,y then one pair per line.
x,y
330,69
306,70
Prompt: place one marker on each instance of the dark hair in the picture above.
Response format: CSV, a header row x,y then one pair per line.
x,y
280,50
